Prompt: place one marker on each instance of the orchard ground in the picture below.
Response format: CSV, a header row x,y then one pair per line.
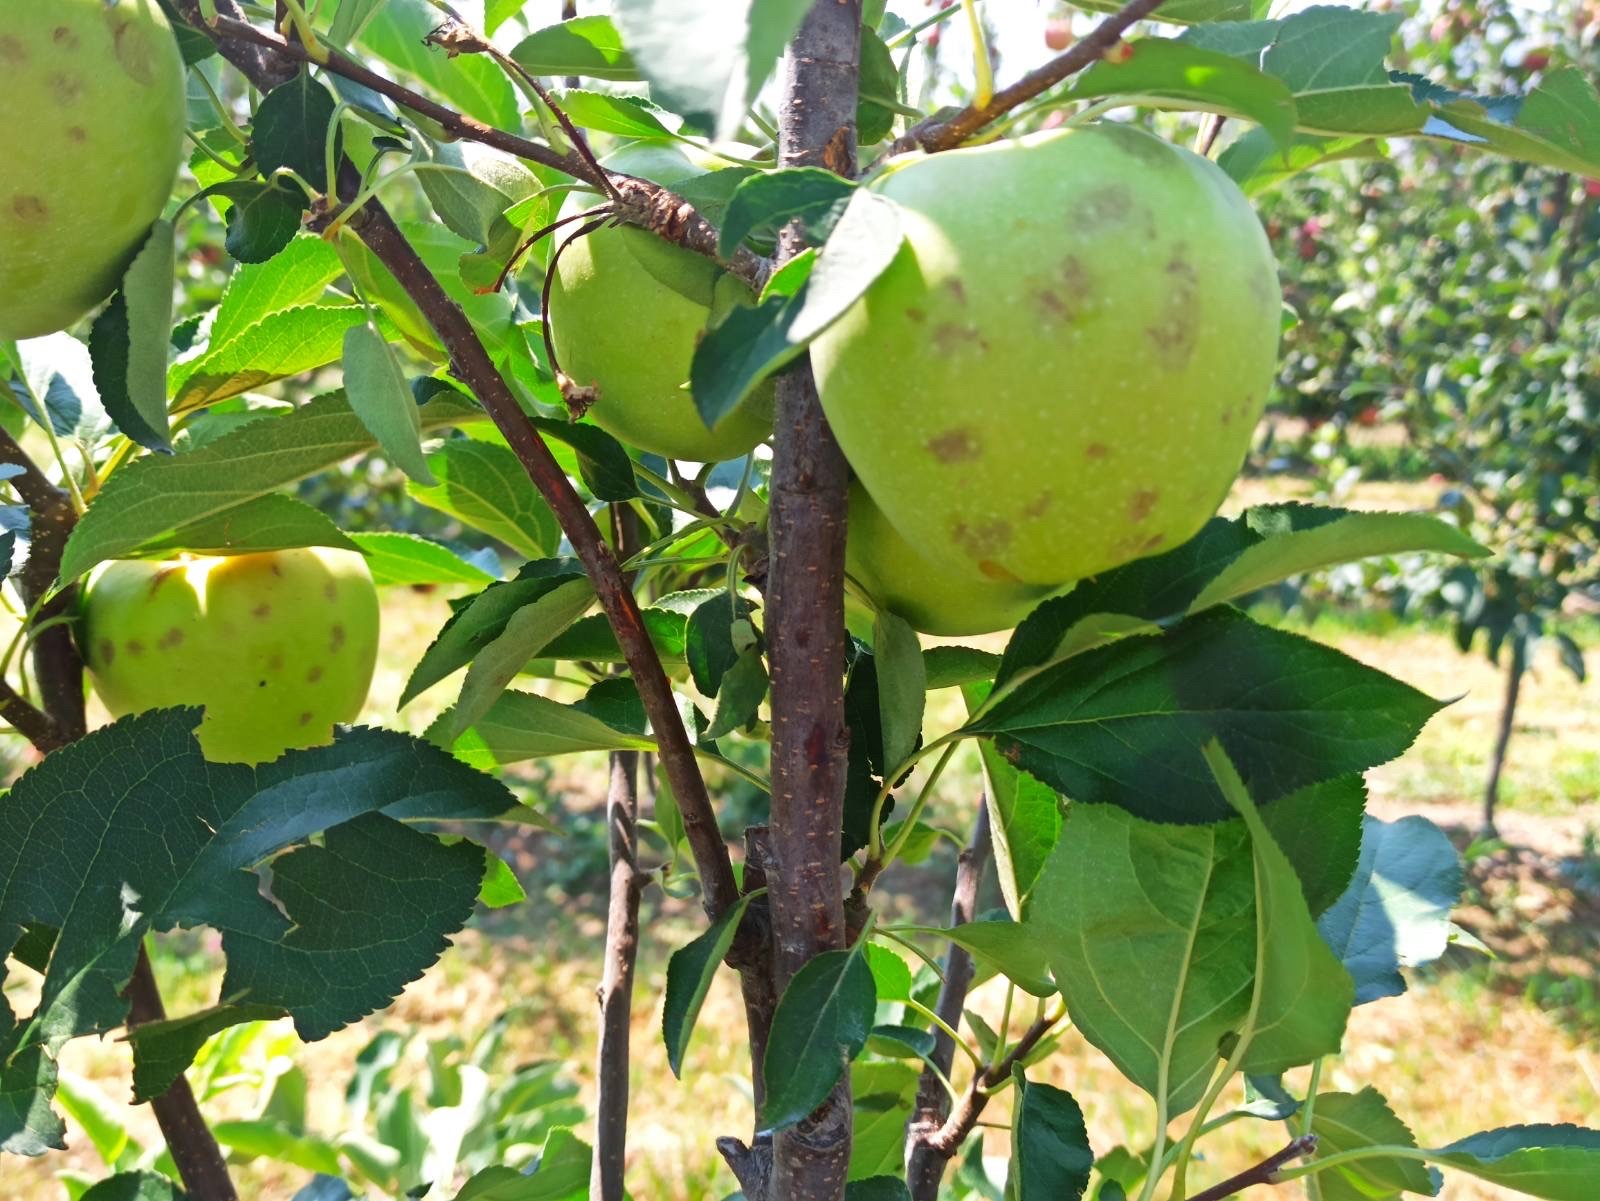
x,y
1536,903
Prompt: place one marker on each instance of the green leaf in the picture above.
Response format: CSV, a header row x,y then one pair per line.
x,y
901,1042
879,81
1319,829
130,829
1010,948
291,129
470,82
405,559
1396,911
689,974
862,245
603,464
709,642
262,218
1348,1121
1024,823
562,1175
523,725
135,1186
129,343
877,1188
1124,724
1194,77
588,46
891,977
271,522
1279,542
287,342
481,621
902,685
592,639
740,694
737,353
1302,994
1257,164
821,1023
625,116
471,185
484,485
298,274
1286,552
1050,1153
1556,125
500,886
527,633
378,394
55,385
953,666
164,1050
1558,1163
707,59
768,200
153,496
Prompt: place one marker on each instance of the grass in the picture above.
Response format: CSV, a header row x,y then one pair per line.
x,y
1475,1043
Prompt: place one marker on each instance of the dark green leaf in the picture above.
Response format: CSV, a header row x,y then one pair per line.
x,y
1124,724
821,1023
164,1050
135,1186
588,46
1024,823
1050,1154
744,348
902,686
625,116
1319,829
689,974
710,644
880,81
743,688
1010,948
901,1042
877,1188
129,343
1265,1097
271,522
766,201
1396,911
522,725
591,638
953,666
263,218
603,464
152,820
397,34
1558,1163
291,130
484,485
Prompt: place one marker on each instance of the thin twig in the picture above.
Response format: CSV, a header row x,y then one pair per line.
x,y
33,724
616,984
1263,1173
268,59
539,236
947,1140
948,132
924,1164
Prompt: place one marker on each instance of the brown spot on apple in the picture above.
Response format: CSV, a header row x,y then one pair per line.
x,y
335,638
314,674
135,53
958,445
62,36
958,290
330,589
12,52
1141,502
173,637
1110,204
275,662
78,133
1039,505
984,540
949,337
262,611
915,314
134,647
108,651
305,718
67,88
1096,451
997,571
29,209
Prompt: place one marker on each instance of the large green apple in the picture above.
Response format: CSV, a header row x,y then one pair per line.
x,y
91,134
626,312
1062,367
276,646
932,597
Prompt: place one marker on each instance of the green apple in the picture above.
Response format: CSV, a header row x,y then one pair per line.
x,y
276,646
1062,367
626,312
931,597
91,134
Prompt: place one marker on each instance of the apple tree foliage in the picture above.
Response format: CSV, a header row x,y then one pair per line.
x,y
1174,793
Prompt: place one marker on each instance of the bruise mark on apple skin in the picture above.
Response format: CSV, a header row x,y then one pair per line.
x,y
67,88
917,315
958,445
1141,503
12,52
335,638
305,718
330,590
1096,451
1103,207
958,290
134,647
172,638
108,651
1176,333
1039,505
62,36
29,209
134,52
982,541
314,674
998,571
78,134
262,611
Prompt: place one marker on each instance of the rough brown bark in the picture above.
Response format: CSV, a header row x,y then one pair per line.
x,y
805,609
925,1165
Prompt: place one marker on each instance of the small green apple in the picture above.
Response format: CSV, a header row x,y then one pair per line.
x,y
1061,369
91,134
276,646
930,596
626,312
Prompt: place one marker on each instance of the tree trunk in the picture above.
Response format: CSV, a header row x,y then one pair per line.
x,y
805,610
1517,668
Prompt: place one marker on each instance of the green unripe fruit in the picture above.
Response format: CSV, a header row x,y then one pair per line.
x,y
91,134
626,313
1062,367
276,647
930,596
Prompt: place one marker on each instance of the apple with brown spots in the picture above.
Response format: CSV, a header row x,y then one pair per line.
x,y
91,134
276,646
1062,368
